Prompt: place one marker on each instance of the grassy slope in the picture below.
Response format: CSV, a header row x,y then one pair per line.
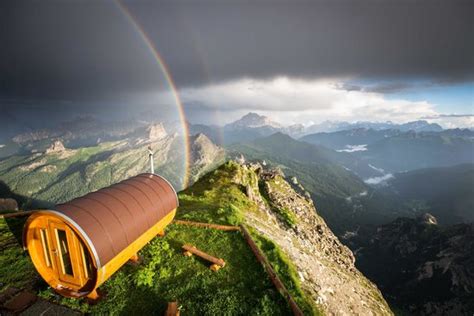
x,y
242,287
16,268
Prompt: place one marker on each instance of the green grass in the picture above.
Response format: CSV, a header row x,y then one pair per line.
x,y
16,268
215,198
240,288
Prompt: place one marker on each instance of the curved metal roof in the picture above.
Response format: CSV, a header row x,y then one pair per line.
x,y
113,217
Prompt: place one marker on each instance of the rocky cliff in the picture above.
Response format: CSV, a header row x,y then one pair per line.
x,y
325,266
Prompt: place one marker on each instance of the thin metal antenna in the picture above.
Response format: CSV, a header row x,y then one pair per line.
x,y
150,155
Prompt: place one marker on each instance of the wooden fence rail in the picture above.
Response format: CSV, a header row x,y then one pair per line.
x,y
207,225
273,276
16,214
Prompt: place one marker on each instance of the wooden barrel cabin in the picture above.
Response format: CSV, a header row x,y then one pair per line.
x,y
78,245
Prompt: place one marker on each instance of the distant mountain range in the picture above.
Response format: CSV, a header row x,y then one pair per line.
x,y
253,125
353,173
390,151
417,126
373,151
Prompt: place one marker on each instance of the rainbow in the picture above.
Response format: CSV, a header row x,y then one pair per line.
x,y
169,79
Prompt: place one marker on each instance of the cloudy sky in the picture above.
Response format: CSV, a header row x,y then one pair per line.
x,y
298,61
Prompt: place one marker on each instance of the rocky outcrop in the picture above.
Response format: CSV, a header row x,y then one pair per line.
x,y
156,132
8,204
428,219
203,150
252,120
325,266
56,147
29,137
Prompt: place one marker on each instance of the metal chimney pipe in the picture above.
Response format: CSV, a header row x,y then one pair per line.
x,y
150,155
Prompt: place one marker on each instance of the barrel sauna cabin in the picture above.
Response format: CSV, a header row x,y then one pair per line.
x,y
78,245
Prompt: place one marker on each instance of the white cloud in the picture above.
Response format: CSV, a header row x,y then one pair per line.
x,y
379,180
452,121
300,101
377,169
353,148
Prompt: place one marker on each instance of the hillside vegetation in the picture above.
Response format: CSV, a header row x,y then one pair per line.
x,y
62,174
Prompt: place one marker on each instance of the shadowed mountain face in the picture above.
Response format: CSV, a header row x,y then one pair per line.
x,y
447,193
422,268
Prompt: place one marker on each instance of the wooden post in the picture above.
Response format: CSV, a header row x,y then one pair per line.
x,y
172,309
93,297
135,258
217,262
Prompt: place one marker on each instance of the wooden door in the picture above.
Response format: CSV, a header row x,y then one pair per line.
x,y
48,264
64,249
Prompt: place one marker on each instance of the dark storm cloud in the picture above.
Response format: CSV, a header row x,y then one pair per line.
x,y
88,50
390,87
